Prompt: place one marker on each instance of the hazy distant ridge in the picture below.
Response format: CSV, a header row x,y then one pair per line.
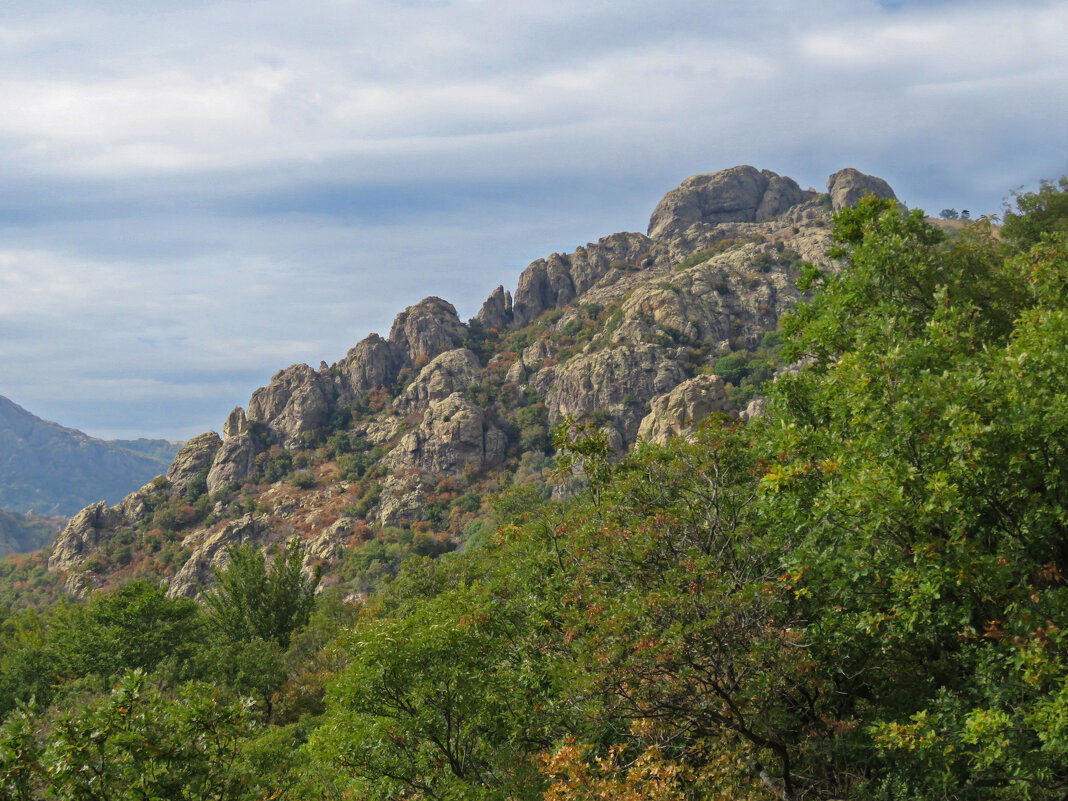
x,y
49,469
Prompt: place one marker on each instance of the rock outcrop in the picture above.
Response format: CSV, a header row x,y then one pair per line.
x,y
193,461
298,400
209,555
454,434
83,533
675,413
740,194
234,461
848,186
449,372
496,312
372,363
553,282
426,329
609,333
620,380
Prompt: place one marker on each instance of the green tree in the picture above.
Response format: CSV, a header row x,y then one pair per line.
x,y
139,743
916,473
1037,213
253,601
441,704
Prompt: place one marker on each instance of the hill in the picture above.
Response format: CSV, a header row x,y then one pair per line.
x,y
49,469
856,594
394,450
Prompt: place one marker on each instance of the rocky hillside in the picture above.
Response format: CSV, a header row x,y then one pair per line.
x,y
394,450
49,469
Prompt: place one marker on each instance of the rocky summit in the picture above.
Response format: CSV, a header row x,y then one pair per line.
x,y
639,335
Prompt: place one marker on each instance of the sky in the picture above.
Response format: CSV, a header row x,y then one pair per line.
x,y
196,194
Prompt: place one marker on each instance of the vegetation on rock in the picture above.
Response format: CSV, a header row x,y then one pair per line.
x,y
858,595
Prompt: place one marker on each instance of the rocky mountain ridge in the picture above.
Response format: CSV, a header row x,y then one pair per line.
x,y
401,440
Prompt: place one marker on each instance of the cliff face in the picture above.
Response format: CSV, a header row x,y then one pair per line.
x,y
624,333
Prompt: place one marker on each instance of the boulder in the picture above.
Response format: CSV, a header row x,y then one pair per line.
x,y
848,186
678,411
739,194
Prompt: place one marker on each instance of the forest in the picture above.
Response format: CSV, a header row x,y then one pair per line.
x,y
860,594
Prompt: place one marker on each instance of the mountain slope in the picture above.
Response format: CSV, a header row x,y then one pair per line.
x,y
23,533
49,469
392,450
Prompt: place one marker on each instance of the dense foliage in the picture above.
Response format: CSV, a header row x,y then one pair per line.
x,y
860,595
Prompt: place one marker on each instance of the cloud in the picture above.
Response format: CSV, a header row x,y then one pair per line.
x,y
193,195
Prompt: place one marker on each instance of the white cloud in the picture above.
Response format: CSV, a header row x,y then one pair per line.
x,y
200,187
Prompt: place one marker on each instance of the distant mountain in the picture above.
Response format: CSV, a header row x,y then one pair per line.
x,y
162,450
21,533
49,469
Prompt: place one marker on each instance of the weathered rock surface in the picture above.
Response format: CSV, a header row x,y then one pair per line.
x,y
234,461
755,409
193,461
739,194
454,434
236,423
297,401
372,363
209,554
496,312
620,380
677,412
428,328
83,533
550,283
449,372
848,186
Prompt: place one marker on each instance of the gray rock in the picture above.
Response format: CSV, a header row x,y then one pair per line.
x,y
553,282
372,363
297,401
209,554
848,186
517,373
449,372
236,423
619,380
677,412
426,329
234,461
453,435
739,194
496,312
192,461
756,408
82,534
